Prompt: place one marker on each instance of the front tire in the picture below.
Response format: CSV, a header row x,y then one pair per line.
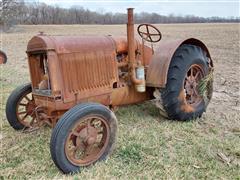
x,y
20,107
181,98
84,135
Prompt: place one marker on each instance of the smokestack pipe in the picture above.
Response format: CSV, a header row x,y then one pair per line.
x,y
131,48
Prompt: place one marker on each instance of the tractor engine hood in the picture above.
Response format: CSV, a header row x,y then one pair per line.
x,y
73,44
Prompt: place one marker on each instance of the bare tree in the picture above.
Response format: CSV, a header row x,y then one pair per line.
x,y
17,12
7,14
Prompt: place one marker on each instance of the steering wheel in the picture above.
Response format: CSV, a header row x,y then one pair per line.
x,y
150,34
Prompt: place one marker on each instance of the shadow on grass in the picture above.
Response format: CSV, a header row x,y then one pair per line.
x,y
146,110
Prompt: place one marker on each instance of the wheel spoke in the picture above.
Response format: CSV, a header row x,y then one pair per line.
x,y
195,91
72,151
149,36
32,121
144,33
23,112
27,98
188,80
196,75
24,117
22,104
191,72
101,144
191,98
100,131
147,29
75,133
89,124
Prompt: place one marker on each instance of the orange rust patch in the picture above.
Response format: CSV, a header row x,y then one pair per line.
x,y
184,105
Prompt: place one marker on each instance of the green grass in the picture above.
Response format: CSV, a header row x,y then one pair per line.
x,y
148,146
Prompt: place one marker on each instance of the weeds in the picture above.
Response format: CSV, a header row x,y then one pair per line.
x,y
205,86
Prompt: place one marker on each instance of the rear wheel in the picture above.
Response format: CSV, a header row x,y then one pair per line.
x,y
20,108
84,135
182,98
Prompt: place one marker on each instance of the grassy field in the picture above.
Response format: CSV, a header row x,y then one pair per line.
x,y
148,145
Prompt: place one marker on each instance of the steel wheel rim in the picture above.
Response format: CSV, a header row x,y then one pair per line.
x,y
194,75
25,110
82,144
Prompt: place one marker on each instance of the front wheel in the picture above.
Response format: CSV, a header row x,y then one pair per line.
x,y
20,108
84,135
189,84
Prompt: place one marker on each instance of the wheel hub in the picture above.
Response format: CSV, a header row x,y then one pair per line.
x,y
191,86
87,136
30,107
193,76
87,140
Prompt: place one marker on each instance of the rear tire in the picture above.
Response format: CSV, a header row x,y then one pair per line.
x,y
74,139
181,98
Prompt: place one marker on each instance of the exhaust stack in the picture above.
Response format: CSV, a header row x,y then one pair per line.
x,y
139,79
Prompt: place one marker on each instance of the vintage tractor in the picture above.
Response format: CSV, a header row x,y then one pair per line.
x,y
77,81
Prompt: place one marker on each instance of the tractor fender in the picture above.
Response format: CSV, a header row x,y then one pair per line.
x,y
158,68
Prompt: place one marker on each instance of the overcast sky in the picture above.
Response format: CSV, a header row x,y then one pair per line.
x,y
204,8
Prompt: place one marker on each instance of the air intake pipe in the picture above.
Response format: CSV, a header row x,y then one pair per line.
x,y
136,69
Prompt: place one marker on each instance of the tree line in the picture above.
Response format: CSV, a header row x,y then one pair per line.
x,y
18,12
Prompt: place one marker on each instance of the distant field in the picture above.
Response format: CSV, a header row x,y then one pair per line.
x,y
148,146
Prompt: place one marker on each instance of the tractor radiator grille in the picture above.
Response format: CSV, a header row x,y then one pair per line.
x,y
88,71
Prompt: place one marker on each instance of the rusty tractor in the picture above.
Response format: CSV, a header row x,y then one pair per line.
x,y
77,82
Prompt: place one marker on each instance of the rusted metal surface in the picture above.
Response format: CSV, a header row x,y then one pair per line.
x,y
128,95
146,55
40,43
78,64
87,140
184,105
121,44
3,57
158,68
69,44
189,95
94,71
131,48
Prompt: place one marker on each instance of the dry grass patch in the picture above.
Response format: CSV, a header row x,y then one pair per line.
x,y
148,145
